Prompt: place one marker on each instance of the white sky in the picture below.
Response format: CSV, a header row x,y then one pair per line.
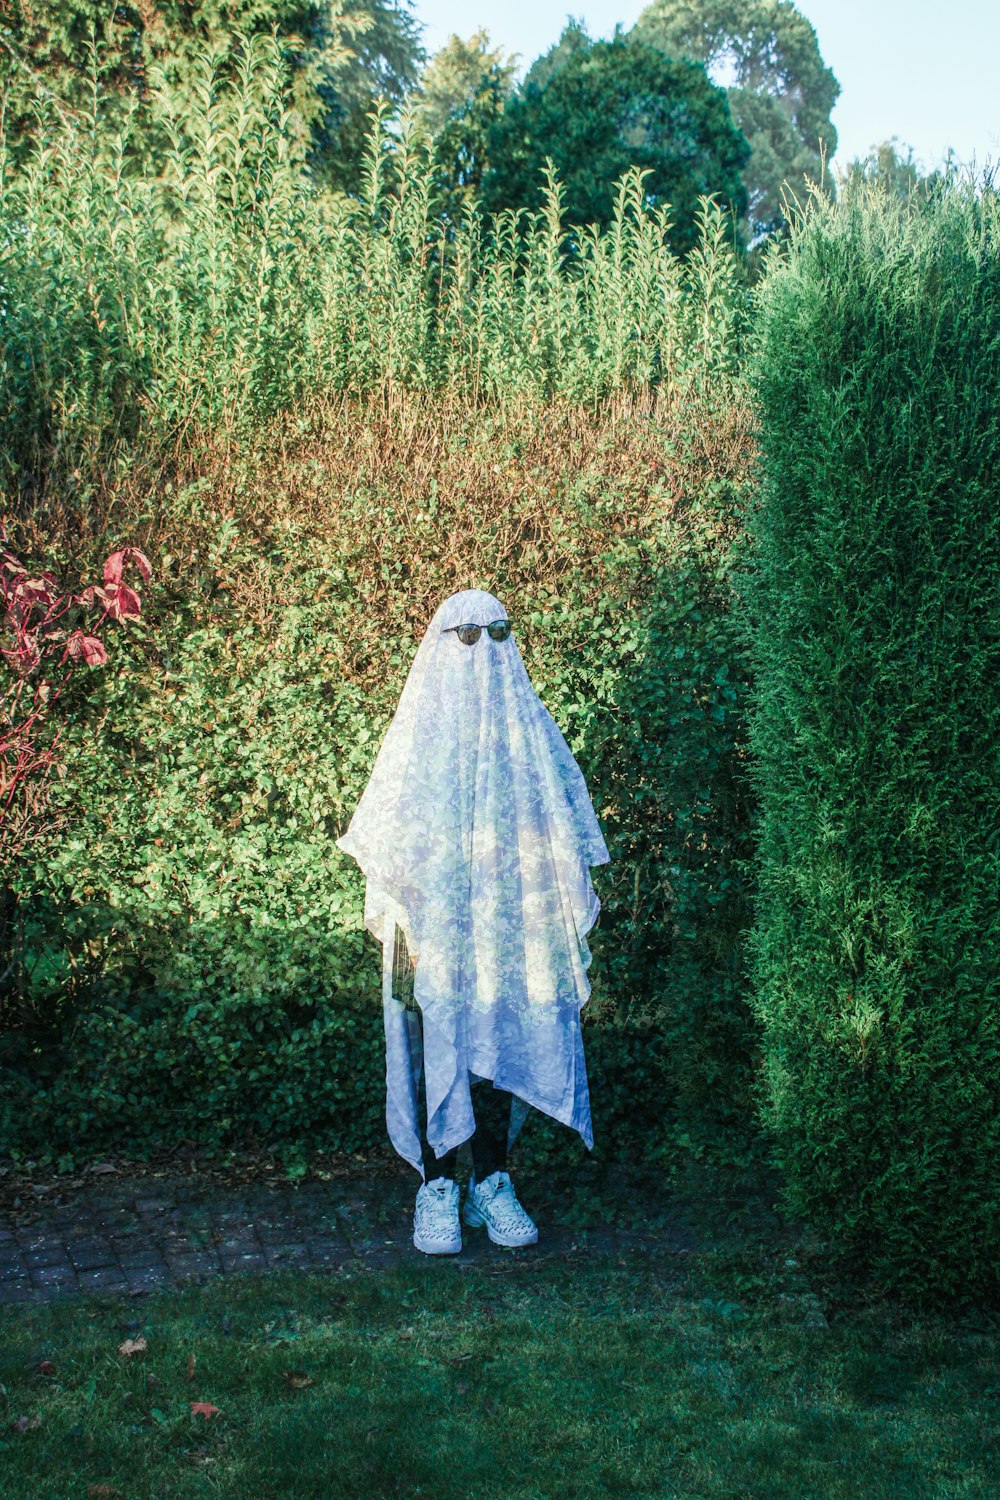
x,y
924,72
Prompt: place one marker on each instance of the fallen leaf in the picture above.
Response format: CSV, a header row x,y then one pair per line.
x,y
204,1409
46,1367
298,1379
132,1346
102,1166
191,1364
26,1424
101,1491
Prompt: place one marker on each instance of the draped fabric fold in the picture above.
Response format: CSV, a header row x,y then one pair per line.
x,y
476,835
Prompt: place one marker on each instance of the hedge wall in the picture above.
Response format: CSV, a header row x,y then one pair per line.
x,y
196,966
874,600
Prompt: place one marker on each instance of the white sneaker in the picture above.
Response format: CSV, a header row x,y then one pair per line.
x,y
436,1229
493,1202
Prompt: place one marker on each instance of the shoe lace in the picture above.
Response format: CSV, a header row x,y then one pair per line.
x,y
504,1202
433,1202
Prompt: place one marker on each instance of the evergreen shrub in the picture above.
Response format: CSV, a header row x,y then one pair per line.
x,y
196,963
873,594
318,416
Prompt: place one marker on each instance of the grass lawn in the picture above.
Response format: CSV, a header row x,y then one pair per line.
x,y
597,1375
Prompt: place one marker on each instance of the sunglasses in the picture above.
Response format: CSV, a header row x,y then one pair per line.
x,y
469,634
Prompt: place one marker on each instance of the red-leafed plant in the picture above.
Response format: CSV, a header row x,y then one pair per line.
x,y
41,653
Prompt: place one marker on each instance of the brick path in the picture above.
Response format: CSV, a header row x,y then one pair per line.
x,y
121,1233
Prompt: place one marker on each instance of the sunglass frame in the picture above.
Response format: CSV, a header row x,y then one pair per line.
x,y
490,628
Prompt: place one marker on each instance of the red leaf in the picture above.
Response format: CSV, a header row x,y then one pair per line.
x,y
123,603
141,561
32,591
94,653
203,1409
86,646
46,1367
118,561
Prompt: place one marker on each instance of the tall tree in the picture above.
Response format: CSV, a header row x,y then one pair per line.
x,y
342,54
459,100
781,93
384,62
898,174
605,106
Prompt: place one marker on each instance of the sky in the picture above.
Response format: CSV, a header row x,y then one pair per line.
x,y
918,70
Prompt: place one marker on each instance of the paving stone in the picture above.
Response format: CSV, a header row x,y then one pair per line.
x,y
242,1245
383,1257
287,1255
173,1234
254,1260
12,1296
123,1237
53,1276
330,1252
104,1279
33,1239
145,1278
194,1264
12,1284
90,1255
72,1216
140,1256
269,1234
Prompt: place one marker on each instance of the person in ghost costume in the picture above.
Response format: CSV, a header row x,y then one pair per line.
x,y
476,836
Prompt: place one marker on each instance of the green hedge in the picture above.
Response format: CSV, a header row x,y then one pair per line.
x,y
197,966
874,599
225,288
319,416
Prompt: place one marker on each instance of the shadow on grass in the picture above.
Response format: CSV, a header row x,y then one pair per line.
x,y
633,1374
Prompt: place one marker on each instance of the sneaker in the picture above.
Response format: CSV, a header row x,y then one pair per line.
x,y
494,1203
436,1229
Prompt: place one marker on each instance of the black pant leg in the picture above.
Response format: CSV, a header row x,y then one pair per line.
x,y
439,1166
434,1166
489,1143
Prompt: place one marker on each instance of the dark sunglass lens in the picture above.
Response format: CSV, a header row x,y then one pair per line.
x,y
499,631
469,634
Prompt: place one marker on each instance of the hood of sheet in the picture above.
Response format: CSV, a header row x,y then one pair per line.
x,y
476,834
